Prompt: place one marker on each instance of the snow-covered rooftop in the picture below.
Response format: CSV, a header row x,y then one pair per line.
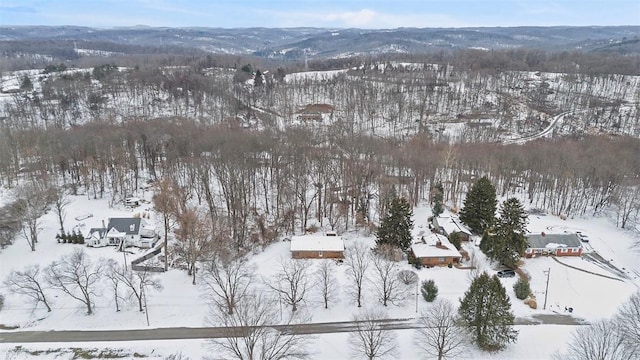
x,y
317,243
542,240
427,246
451,225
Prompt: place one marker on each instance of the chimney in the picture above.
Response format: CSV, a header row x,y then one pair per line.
x,y
543,234
103,226
438,243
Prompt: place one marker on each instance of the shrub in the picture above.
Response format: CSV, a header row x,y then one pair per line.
x,y
522,289
414,261
429,290
1,301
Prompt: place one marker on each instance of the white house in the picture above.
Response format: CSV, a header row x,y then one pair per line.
x,y
448,225
123,232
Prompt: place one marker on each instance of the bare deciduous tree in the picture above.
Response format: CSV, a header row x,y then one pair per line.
x,y
33,198
28,283
137,282
113,279
77,276
291,282
195,239
408,277
387,282
475,266
357,258
598,341
326,282
166,200
370,340
60,202
628,322
228,281
251,336
439,334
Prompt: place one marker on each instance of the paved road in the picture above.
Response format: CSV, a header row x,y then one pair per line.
x,y
178,333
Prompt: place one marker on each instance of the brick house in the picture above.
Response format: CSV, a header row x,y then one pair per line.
x,y
435,250
553,244
317,247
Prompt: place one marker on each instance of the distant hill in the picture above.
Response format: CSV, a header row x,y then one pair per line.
x,y
314,43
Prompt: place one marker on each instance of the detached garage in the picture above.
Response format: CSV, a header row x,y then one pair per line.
x,y
317,247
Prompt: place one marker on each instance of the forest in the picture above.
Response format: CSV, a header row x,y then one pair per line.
x,y
269,148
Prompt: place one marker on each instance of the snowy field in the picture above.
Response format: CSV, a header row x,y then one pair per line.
x,y
180,304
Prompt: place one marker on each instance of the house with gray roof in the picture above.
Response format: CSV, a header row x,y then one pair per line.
x,y
448,225
123,232
553,244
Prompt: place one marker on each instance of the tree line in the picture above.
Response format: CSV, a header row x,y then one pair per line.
x,y
268,183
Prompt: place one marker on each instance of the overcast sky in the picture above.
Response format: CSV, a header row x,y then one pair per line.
x,y
330,13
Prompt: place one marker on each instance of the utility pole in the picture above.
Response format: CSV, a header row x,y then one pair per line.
x,y
546,290
146,309
417,292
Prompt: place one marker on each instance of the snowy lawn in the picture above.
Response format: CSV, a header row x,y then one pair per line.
x,y
181,304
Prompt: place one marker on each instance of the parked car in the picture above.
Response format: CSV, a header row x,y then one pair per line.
x,y
506,273
583,237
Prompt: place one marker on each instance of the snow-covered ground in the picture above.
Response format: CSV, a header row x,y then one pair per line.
x,y
180,304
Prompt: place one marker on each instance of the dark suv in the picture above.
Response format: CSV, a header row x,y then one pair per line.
x,y
506,273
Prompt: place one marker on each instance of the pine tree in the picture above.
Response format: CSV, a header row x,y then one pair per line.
x,y
513,217
429,290
456,240
506,242
395,226
437,195
479,209
26,84
522,289
485,310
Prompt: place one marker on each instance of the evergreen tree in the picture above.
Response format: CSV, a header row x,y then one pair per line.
x,y
257,79
506,242
479,209
429,290
485,310
26,84
395,226
437,194
456,240
522,289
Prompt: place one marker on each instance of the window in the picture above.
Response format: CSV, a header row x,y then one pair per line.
x,y
440,259
320,253
564,250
